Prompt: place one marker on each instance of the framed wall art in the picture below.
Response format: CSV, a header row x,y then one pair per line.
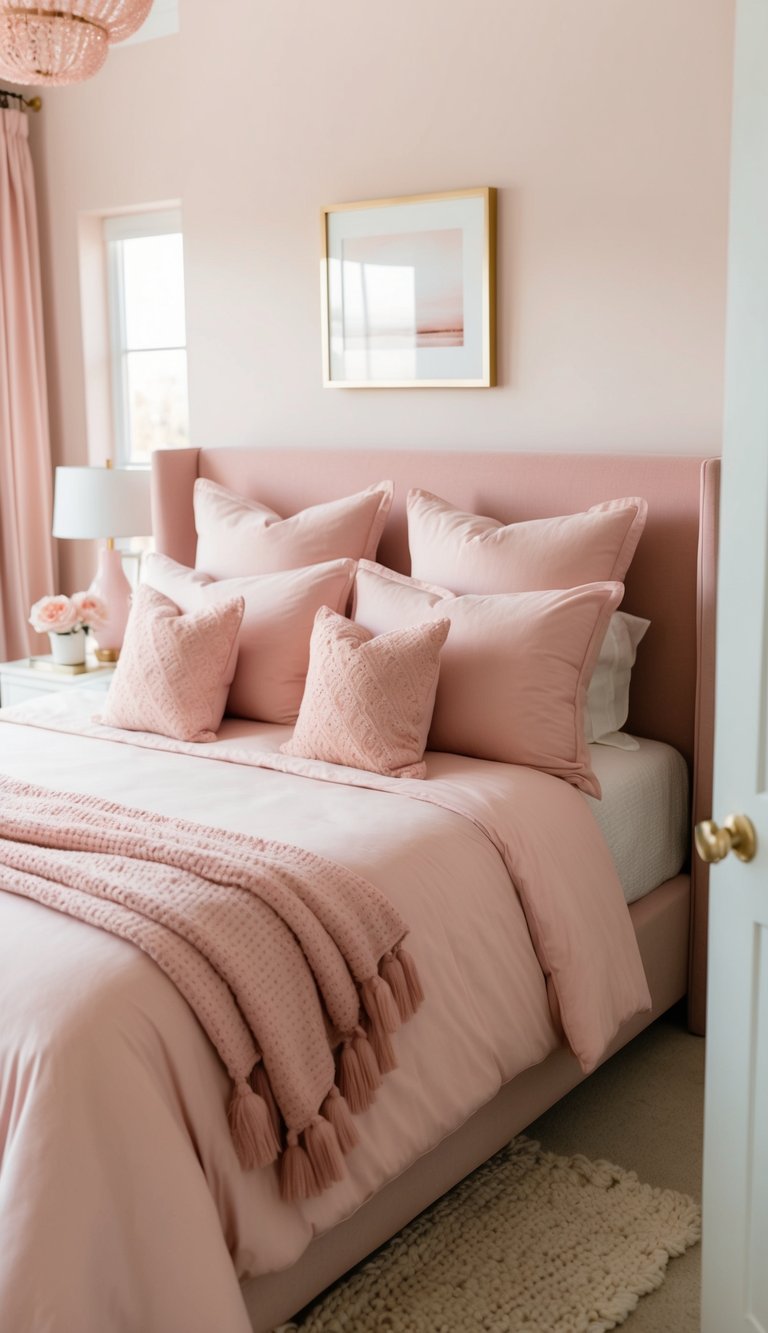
x,y
408,292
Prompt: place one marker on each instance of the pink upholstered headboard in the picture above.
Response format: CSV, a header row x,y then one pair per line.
x,y
671,581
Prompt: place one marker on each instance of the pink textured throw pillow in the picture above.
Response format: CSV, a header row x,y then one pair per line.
x,y
168,678
384,600
239,536
469,553
277,625
368,700
514,677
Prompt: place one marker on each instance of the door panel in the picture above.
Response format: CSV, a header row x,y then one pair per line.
x,y
735,1257
757,1245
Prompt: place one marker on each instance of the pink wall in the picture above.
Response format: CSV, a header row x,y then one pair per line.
x,y
604,124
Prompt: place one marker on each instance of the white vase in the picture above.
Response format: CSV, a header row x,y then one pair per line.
x,y
68,649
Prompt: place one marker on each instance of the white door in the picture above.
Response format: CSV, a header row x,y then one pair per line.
x,y
735,1254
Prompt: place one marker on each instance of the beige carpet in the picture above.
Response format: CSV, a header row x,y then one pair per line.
x,y
644,1108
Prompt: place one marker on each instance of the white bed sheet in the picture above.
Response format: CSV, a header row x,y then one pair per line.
x,y
643,814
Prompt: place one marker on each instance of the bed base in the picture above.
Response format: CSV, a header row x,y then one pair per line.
x,y
661,922
671,581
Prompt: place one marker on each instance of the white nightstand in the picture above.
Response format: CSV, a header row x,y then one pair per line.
x,y
20,681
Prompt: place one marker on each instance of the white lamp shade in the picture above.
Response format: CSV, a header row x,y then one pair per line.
x,y
101,502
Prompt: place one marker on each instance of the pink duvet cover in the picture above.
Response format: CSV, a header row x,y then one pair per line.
x,y
122,1204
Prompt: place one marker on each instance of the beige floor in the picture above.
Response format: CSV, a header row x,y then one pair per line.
x,y
644,1111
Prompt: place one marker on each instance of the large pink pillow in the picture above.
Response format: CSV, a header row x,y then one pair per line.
x,y
469,553
514,677
368,700
238,536
384,600
168,678
277,625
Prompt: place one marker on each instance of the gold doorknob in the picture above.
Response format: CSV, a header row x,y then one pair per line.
x,y
737,835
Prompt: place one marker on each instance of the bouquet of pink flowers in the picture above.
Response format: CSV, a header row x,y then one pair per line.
x,y
65,615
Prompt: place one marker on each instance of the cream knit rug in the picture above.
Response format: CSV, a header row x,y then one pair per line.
x,y
529,1243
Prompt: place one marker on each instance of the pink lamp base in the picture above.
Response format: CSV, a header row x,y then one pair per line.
x,y
113,587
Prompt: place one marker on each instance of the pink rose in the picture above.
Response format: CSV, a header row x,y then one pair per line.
x,y
91,610
53,615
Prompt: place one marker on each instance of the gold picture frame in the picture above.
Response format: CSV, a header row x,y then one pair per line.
x,y
408,292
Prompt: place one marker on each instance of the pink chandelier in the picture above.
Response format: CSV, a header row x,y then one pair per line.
x,y
63,41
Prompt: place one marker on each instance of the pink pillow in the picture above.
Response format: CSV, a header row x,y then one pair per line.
x,y
384,600
277,625
469,553
368,700
168,678
514,677
238,536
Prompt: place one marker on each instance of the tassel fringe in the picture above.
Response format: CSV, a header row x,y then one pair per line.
x,y
352,1081
309,1167
391,970
368,1065
260,1083
380,1004
411,976
338,1114
382,1048
252,1132
324,1152
297,1177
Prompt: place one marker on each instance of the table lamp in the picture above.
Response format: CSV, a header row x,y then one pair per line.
x,y
95,502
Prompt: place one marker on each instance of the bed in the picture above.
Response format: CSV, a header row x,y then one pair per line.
x,y
130,1196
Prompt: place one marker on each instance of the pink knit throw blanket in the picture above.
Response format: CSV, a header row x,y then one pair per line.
x,y
294,966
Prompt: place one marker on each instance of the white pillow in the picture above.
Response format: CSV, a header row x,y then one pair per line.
x,y
608,694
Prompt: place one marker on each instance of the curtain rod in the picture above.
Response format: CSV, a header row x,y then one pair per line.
x,y
34,103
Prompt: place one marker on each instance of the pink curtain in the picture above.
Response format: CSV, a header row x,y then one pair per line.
x,y
26,563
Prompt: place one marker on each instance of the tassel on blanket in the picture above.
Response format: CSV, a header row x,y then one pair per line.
x,y
252,1132
338,1114
382,1048
324,1152
391,969
370,1069
380,1004
411,976
260,1083
297,1178
354,1088
359,1074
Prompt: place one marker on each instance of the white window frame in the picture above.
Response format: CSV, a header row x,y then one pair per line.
x,y
126,227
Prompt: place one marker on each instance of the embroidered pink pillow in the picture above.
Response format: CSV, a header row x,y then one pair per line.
x,y
168,678
514,676
469,553
280,609
368,700
384,600
238,536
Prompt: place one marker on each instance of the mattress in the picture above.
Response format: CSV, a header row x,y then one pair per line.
x,y
643,814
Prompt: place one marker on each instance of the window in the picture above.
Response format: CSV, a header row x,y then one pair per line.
x,y
145,283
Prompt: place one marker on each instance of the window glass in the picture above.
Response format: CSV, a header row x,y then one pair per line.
x,y
145,266
156,386
153,279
